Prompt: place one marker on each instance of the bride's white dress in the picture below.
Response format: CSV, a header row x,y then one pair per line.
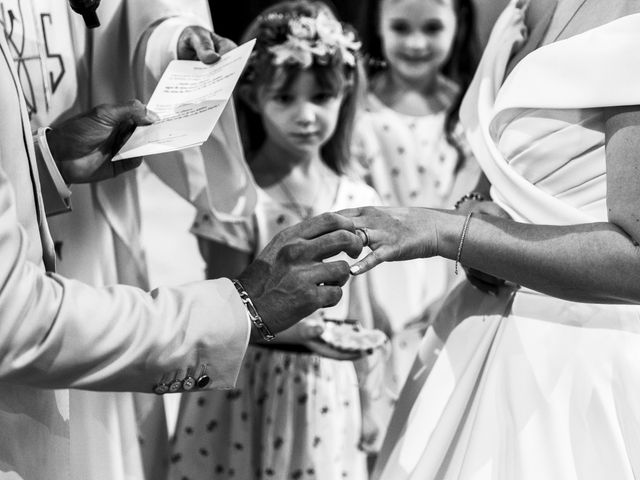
x,y
526,386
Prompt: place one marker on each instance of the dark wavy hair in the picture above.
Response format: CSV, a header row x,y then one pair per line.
x,y
331,72
460,67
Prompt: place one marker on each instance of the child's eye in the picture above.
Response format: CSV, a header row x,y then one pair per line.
x,y
282,98
400,27
323,97
432,27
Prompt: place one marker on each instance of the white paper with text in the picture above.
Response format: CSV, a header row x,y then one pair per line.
x,y
189,100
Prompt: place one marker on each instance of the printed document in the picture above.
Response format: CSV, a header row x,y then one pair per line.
x,y
189,100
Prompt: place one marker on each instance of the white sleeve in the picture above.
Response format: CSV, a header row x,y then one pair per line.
x,y
61,333
214,177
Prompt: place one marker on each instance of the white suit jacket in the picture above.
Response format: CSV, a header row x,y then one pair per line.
x,y
58,333
65,69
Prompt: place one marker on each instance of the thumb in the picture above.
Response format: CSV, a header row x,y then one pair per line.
x,y
140,114
202,44
222,44
134,112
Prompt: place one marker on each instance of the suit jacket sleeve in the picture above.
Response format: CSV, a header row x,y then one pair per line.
x,y
60,333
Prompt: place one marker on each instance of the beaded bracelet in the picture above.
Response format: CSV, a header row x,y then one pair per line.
x,y
470,196
465,227
254,316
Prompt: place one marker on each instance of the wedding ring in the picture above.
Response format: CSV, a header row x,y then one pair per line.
x,y
365,241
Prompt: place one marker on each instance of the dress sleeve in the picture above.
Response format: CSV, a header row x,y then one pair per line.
x,y
240,235
61,333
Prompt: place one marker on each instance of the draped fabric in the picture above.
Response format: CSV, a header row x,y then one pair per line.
x,y
525,385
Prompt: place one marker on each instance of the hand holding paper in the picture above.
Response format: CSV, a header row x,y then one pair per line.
x,y
189,100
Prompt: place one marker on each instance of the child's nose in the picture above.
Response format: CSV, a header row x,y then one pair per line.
x,y
306,113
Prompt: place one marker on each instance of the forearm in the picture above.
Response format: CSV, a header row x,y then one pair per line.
x,y
60,333
595,262
64,334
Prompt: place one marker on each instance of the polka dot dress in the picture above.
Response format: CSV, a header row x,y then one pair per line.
x,y
409,161
407,158
292,415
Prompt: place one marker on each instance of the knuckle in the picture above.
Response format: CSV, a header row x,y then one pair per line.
x,y
343,237
291,252
101,110
136,107
329,218
308,296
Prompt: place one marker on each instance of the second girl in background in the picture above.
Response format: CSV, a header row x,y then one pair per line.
x,y
410,145
294,413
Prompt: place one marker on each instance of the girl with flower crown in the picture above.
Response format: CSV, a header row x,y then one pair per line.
x,y
295,412
409,143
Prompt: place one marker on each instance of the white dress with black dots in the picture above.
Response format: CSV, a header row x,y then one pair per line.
x,y
408,160
293,415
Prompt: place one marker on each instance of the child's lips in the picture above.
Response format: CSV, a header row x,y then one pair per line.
x,y
414,59
304,135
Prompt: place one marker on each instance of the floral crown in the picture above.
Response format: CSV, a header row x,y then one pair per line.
x,y
301,40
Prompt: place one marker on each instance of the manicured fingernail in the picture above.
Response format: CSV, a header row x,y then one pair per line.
x,y
355,269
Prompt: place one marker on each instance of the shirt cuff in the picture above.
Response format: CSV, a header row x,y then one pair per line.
x,y
55,192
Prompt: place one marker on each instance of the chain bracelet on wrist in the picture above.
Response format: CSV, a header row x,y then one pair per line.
x,y
463,235
254,316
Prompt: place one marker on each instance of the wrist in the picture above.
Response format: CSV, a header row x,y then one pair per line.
x,y
449,233
259,329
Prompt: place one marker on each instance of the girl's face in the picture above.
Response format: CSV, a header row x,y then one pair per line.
x,y
300,117
417,36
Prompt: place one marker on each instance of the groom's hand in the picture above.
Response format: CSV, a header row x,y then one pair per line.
x,y
84,145
289,280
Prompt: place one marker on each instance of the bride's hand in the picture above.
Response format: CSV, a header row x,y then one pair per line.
x,y
393,234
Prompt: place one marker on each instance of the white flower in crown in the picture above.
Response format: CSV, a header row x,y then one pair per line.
x,y
315,37
331,33
347,46
329,30
303,28
294,50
